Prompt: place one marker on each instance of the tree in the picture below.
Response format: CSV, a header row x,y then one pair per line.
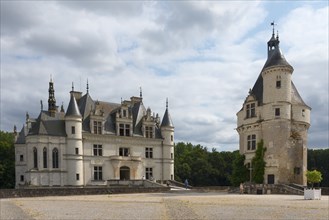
x,y
317,159
240,171
313,177
258,163
7,160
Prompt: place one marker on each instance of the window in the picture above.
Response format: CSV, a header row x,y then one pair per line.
x,y
45,162
277,111
124,113
21,157
98,174
278,82
297,170
98,151
97,127
172,138
303,112
149,173
72,130
124,130
251,142
148,131
76,150
77,176
22,178
55,158
149,152
250,110
124,152
172,156
35,158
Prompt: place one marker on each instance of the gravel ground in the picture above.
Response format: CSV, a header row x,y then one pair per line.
x,y
173,205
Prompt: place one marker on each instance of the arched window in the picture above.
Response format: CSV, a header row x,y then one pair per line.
x,y
35,158
55,158
45,157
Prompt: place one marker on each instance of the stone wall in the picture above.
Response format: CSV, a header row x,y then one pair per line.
x,y
49,191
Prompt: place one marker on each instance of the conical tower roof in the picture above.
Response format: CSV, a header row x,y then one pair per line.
x,y
73,109
166,121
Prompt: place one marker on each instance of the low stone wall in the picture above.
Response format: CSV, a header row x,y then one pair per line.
x,y
39,192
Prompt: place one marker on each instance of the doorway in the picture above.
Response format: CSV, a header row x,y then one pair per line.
x,y
124,173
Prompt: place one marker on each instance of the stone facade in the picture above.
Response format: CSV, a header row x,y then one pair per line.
x,y
92,142
275,112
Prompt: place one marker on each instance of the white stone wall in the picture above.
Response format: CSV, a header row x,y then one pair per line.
x,y
271,93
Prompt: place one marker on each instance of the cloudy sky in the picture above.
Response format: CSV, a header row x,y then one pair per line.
x,y
203,56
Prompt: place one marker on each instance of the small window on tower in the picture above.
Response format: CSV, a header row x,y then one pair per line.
x,y
278,84
303,112
277,112
72,130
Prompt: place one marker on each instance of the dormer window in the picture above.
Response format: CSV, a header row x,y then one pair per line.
x,y
97,127
148,131
251,110
124,113
124,129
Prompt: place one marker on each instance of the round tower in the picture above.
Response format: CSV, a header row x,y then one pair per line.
x,y
74,150
167,132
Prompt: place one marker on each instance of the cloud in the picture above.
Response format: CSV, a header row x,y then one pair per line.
x,y
203,56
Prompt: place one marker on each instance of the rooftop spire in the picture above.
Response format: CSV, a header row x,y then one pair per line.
x,y
140,92
51,100
72,86
273,43
273,23
87,86
166,121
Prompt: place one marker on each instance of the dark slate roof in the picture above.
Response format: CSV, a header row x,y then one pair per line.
x,y
21,136
86,104
276,59
72,109
257,90
47,125
166,121
138,111
295,97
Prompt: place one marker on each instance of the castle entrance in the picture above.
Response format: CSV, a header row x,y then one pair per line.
x,y
124,173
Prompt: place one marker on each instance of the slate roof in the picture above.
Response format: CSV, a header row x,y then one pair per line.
x,y
86,107
166,121
21,136
73,109
276,59
47,125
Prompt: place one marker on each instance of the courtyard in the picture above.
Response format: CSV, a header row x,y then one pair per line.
x,y
171,205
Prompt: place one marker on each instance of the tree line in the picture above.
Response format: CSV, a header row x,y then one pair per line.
x,y
198,164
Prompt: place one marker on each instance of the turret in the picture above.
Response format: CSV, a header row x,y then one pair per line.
x,y
276,75
167,131
73,126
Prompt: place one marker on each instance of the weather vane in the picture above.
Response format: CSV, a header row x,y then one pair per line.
x,y
272,24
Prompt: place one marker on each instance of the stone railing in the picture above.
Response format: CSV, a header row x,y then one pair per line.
x,y
126,158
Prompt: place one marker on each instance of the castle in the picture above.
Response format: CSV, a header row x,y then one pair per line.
x,y
274,112
94,141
